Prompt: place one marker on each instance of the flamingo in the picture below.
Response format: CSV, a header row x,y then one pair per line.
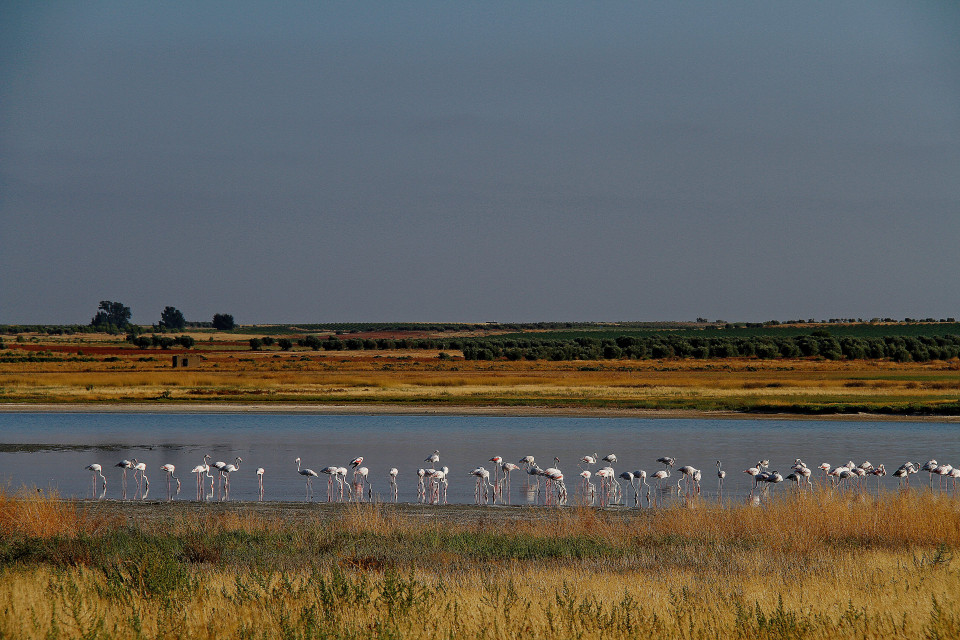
x,y
199,470
309,474
696,480
879,472
929,466
96,470
610,458
170,469
660,477
666,461
331,473
225,472
434,457
219,465
125,464
341,481
641,475
497,463
942,470
587,488
260,471
588,460
527,462
143,482
209,476
362,473
901,475
392,474
753,472
721,474
507,467
687,472
355,464
825,467
629,477
483,482
421,487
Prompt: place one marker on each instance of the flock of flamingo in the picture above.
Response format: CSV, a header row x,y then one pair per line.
x,y
432,482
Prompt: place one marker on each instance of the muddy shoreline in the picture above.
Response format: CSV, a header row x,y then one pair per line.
x,y
423,410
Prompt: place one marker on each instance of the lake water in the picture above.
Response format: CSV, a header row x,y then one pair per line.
x,y
50,450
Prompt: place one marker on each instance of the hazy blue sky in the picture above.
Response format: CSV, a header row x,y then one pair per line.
x,y
455,161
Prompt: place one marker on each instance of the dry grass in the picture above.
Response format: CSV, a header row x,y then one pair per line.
x,y
807,568
387,378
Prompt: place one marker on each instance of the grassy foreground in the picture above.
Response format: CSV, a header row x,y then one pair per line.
x,y
796,568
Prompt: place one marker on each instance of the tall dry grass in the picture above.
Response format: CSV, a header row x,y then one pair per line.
x,y
822,565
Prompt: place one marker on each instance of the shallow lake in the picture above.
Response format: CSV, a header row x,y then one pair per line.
x,y
50,450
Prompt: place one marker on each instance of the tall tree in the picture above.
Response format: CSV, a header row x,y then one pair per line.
x,y
172,319
223,321
111,314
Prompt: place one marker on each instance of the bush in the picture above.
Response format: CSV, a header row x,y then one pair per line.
x,y
256,344
285,344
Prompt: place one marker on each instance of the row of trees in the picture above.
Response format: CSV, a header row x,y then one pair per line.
x,y
898,348
114,317
817,344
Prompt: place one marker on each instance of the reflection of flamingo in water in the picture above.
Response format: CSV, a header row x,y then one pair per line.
x,y
169,469
96,470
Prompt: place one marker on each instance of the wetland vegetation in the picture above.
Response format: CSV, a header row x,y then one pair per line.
x,y
798,567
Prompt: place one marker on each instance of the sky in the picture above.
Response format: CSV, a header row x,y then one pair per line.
x,y
479,161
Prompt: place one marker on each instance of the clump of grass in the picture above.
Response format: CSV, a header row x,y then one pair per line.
x,y
42,514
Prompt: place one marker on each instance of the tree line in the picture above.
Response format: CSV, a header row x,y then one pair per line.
x,y
817,344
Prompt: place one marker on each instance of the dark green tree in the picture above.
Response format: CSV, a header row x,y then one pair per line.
x,y
256,343
285,344
186,341
113,315
223,321
172,319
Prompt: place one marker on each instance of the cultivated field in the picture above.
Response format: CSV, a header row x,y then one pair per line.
x,y
823,565
223,369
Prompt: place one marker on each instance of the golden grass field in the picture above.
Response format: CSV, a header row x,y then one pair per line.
x,y
221,372
822,565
